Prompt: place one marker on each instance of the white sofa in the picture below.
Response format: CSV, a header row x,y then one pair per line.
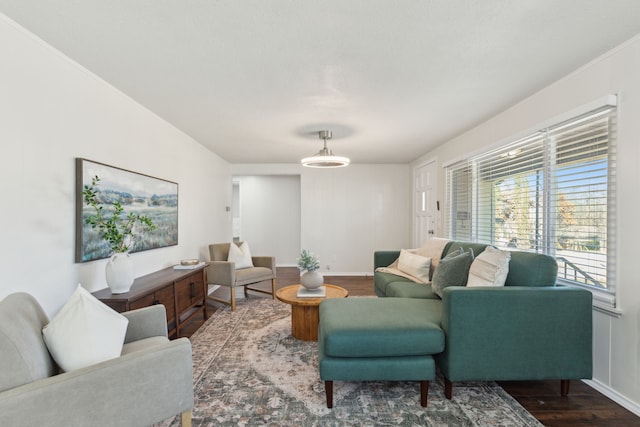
x,y
151,380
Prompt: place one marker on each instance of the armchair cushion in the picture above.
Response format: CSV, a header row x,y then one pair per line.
x,y
253,275
84,332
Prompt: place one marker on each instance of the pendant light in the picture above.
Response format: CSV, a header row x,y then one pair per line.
x,y
325,158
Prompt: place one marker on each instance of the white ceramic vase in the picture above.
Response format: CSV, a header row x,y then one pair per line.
x,y
119,273
311,279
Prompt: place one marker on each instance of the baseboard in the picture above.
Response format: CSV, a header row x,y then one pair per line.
x,y
614,395
334,273
351,273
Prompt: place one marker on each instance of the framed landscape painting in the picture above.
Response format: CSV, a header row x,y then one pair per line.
x,y
141,194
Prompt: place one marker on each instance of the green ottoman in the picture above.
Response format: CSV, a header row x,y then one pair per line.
x,y
379,339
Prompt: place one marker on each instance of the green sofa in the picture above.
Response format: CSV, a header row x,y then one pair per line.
x,y
530,329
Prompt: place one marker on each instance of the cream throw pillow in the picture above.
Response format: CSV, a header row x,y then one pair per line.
x,y
433,249
240,255
490,268
84,332
414,265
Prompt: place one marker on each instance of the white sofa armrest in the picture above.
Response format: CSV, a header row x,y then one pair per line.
x,y
137,389
146,322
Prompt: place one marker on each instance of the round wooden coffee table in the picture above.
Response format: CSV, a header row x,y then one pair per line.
x,y
305,310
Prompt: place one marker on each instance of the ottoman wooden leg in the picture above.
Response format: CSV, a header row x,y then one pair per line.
x,y
424,392
328,388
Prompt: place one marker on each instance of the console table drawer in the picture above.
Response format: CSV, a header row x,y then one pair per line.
x,y
189,291
145,301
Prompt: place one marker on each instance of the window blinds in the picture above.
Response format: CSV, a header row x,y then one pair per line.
x,y
551,192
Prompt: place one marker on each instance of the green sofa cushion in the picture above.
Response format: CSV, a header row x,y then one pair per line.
x,y
386,327
410,290
531,269
382,280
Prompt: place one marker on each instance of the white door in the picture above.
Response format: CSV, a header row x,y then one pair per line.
x,y
425,203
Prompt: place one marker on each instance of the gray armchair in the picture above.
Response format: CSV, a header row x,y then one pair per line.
x,y
150,382
224,273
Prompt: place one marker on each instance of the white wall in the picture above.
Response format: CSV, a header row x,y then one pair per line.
x,y
348,213
270,215
52,111
616,340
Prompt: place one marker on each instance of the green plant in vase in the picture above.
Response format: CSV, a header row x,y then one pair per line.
x,y
311,278
116,228
308,261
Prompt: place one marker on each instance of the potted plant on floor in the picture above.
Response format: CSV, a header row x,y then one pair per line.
x,y
119,230
311,278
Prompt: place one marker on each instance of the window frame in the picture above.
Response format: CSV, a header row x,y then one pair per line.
x,y
468,169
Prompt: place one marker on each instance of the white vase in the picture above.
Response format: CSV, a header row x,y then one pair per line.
x,y
119,273
311,279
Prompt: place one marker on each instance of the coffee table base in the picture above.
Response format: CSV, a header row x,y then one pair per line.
x,y
304,322
305,311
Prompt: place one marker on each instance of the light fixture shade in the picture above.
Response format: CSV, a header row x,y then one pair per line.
x,y
325,161
325,158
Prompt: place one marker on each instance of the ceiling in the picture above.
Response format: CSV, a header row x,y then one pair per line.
x,y
255,80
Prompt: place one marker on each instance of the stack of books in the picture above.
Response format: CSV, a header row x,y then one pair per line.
x,y
319,292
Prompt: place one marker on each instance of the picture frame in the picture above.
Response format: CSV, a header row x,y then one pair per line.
x,y
139,193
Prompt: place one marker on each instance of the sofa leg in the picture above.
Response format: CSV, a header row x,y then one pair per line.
x,y
424,392
185,419
564,387
273,288
448,389
328,389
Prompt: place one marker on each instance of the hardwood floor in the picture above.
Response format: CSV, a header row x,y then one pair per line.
x,y
583,407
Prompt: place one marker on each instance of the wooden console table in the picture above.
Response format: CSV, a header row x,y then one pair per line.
x,y
182,292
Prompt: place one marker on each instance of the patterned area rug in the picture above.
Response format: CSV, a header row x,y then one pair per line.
x,y
249,371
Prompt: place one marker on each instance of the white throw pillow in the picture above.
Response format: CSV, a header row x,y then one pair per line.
x,y
414,265
240,255
84,332
490,268
433,249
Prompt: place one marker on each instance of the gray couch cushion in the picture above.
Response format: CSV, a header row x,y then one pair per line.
x,y
22,350
144,344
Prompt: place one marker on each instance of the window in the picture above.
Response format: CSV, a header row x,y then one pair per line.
x,y
552,192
